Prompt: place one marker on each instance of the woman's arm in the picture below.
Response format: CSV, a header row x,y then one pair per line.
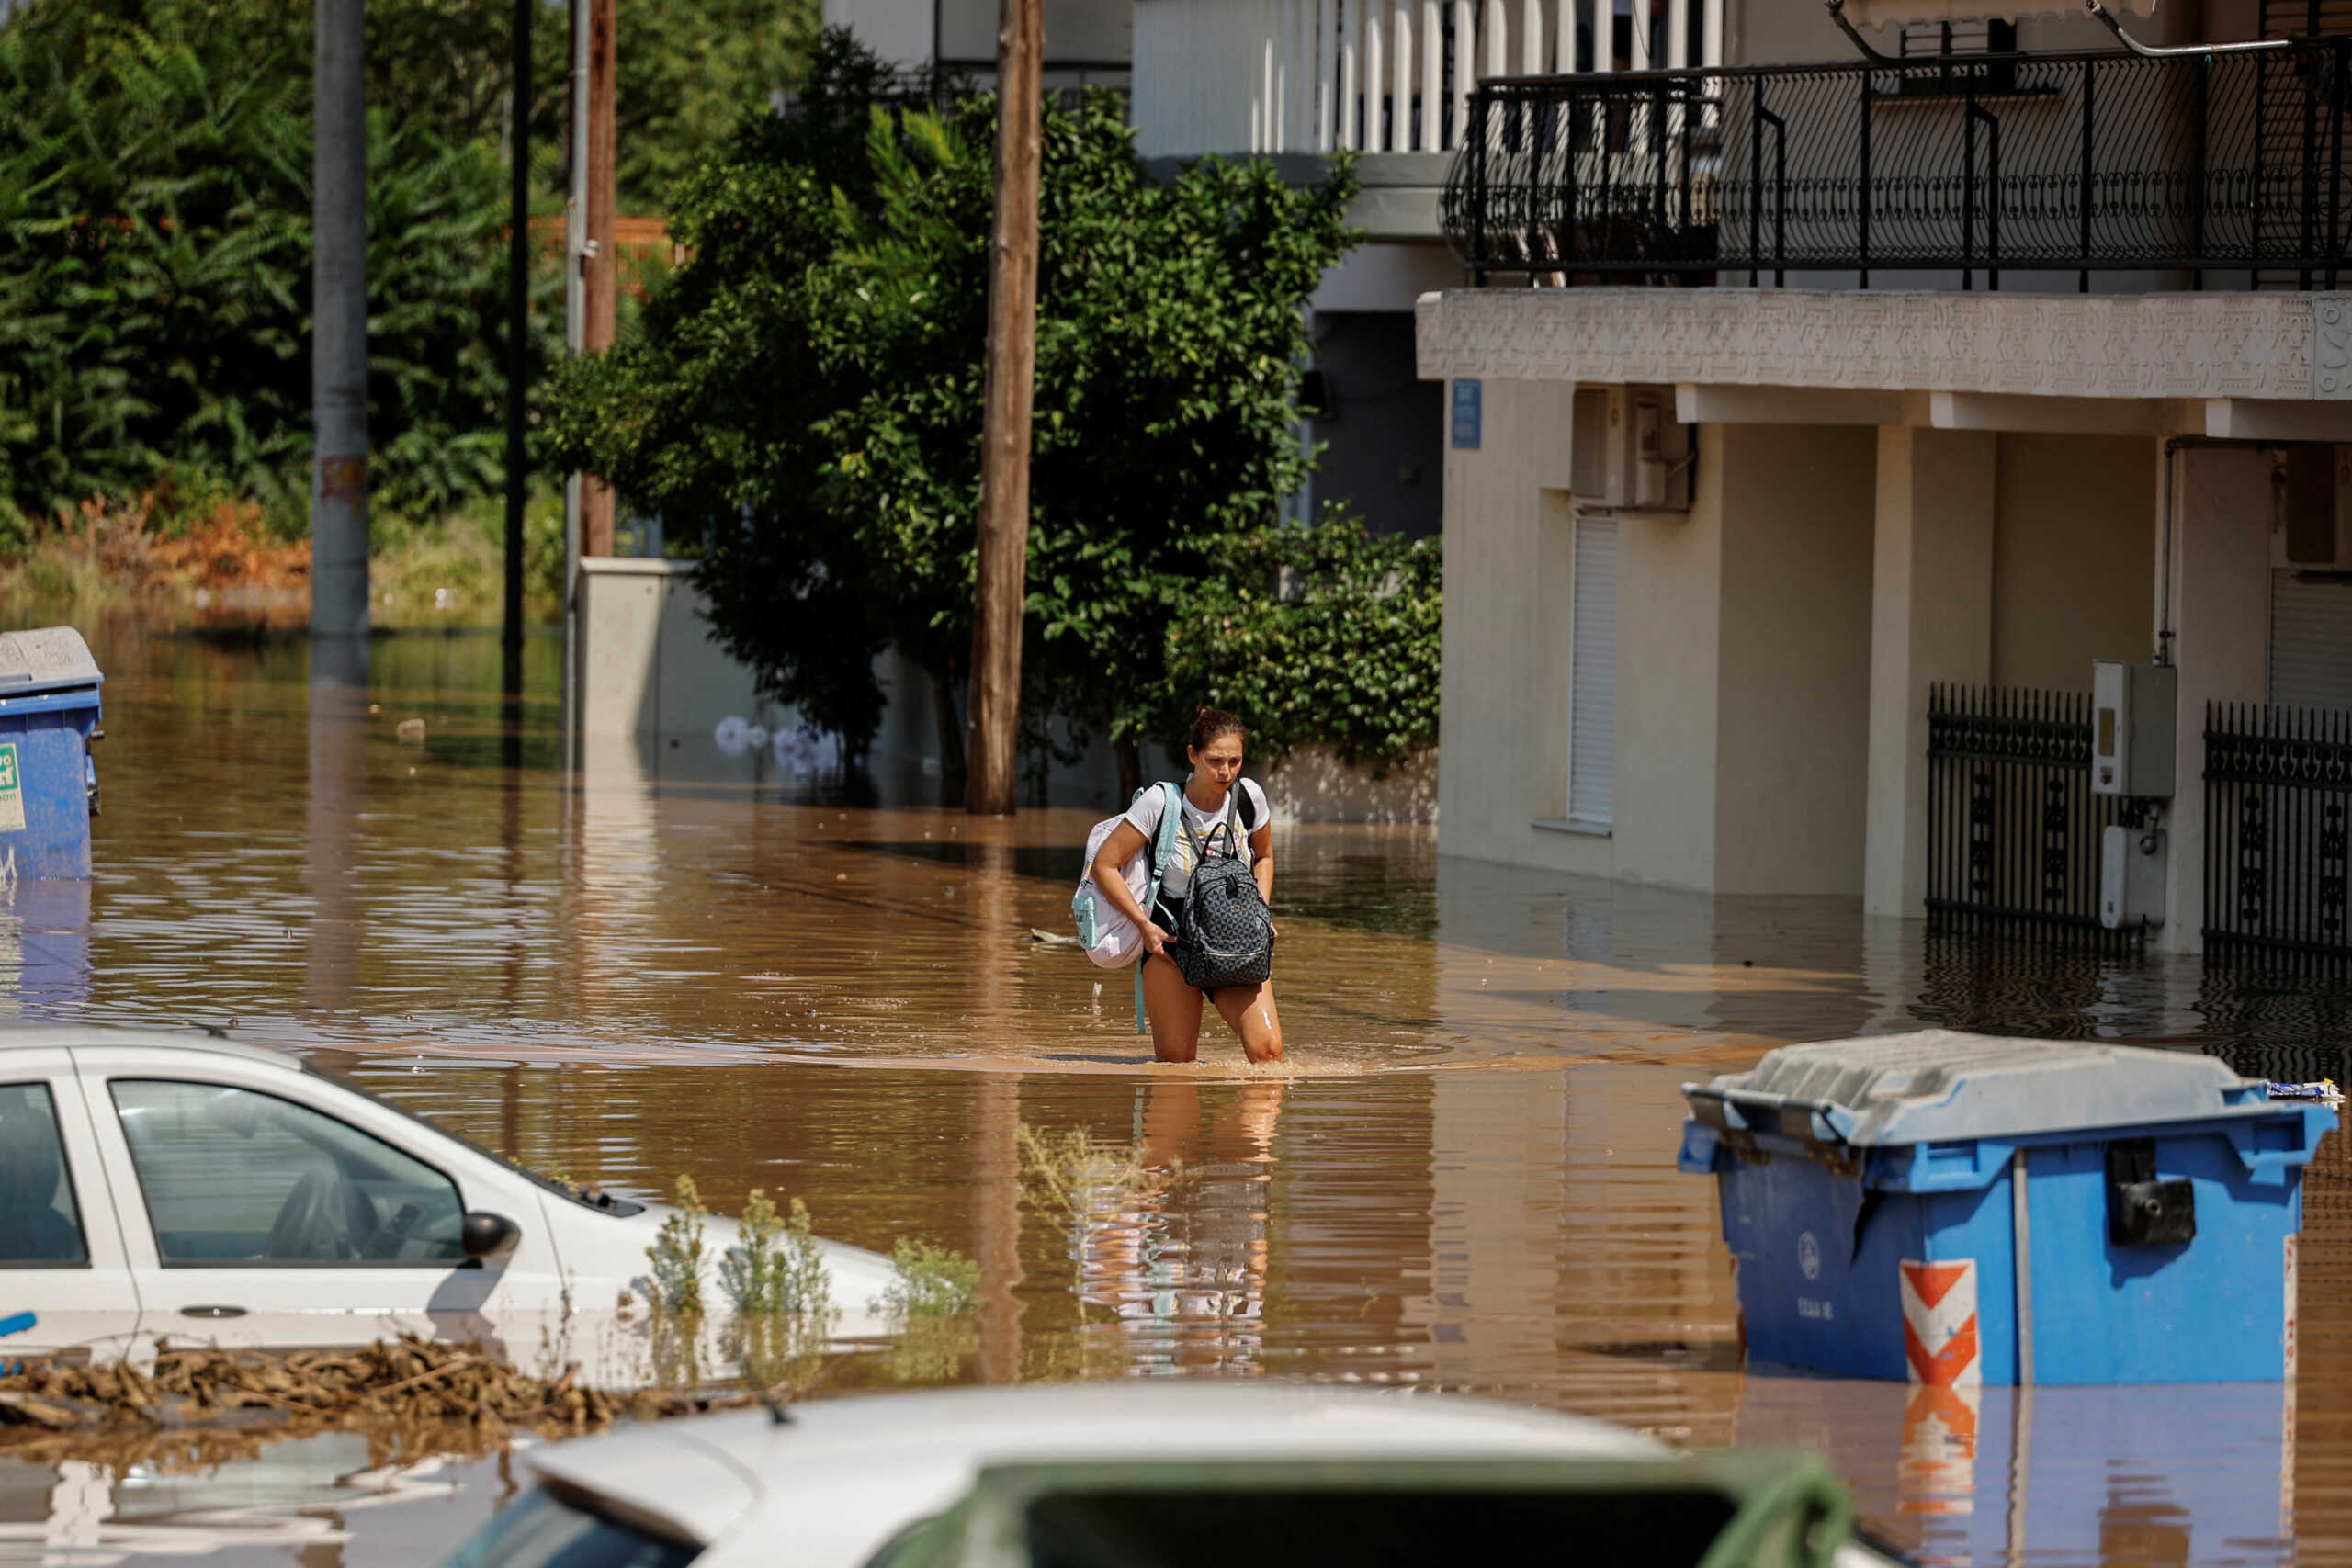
x,y
1262,864
1124,844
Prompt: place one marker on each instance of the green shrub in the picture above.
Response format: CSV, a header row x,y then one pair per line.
x,y
931,1282
777,1267
676,1255
1323,635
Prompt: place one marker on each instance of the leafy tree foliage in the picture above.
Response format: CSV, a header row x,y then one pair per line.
x,y
807,399
1325,635
155,276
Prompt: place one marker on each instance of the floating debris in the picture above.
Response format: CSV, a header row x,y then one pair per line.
x,y
407,1379
411,731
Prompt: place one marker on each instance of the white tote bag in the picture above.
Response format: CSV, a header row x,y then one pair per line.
x,y
1111,938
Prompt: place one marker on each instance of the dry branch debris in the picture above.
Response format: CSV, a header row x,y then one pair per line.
x,y
407,1381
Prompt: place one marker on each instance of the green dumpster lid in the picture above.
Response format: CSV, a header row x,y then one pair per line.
x,y
47,659
1938,1085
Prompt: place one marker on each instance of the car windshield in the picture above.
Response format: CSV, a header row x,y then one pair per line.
x,y
542,1531
593,1199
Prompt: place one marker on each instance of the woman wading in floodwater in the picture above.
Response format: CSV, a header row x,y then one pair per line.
x,y
1222,809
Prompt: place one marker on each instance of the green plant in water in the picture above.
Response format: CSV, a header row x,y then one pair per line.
x,y
931,1282
777,1267
784,1311
677,1254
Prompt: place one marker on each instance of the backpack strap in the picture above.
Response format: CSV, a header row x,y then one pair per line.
x,y
1171,818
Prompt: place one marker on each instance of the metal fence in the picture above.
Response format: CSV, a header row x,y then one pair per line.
x,y
2013,827
2278,811
1979,162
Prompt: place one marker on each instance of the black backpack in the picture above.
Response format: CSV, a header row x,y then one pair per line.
x,y
1225,934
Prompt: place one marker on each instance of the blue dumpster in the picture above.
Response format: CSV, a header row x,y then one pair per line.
x,y
1954,1209
49,786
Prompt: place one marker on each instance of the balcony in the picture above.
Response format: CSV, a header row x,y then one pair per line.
x,y
2216,168
1384,77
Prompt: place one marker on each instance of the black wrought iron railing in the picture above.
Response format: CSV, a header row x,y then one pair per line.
x,y
2013,827
2056,162
2278,833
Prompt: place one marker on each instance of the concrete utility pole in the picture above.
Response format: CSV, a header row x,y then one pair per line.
x,y
339,343
518,321
1003,585
601,269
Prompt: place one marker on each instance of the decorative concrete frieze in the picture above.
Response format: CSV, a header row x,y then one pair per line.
x,y
2284,346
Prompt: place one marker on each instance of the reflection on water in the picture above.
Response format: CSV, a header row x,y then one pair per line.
x,y
322,1502
665,960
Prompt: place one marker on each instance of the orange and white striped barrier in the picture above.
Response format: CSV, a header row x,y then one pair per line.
x,y
1940,1337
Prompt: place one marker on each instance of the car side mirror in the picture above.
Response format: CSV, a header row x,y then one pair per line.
x,y
484,1233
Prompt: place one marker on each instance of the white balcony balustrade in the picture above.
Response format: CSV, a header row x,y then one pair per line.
x,y
1259,77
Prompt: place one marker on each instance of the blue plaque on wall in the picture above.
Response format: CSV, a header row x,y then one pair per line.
x,y
1465,415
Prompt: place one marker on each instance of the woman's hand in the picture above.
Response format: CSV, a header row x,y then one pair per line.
x,y
1155,941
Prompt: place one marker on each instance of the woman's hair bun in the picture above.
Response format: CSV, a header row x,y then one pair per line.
x,y
1209,723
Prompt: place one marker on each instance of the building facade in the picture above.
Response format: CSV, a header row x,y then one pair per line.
x,y
1815,424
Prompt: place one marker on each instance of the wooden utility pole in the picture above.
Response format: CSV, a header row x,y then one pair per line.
x,y
518,325
1003,581
339,345
601,268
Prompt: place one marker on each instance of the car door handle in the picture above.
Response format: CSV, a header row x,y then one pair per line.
x,y
212,1311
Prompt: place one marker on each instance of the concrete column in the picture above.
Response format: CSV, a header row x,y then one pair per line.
x,y
2218,584
1931,621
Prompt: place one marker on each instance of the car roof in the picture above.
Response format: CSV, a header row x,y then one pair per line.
x,y
849,1472
91,1037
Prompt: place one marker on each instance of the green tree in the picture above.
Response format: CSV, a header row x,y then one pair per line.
x,y
688,68
806,401
1326,635
154,277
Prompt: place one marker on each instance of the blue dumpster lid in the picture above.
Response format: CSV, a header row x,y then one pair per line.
x,y
1938,1085
48,660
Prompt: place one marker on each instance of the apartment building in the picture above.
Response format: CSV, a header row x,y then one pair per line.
x,y
1815,420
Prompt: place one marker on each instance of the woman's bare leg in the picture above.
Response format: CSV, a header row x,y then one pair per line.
x,y
1174,1008
1251,1011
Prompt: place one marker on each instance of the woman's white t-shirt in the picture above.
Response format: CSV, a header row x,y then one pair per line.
x,y
1176,879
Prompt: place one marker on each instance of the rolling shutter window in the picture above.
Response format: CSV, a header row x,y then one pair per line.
x,y
1592,682
2311,641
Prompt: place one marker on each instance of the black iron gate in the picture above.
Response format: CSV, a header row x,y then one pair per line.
x,y
2277,810
2013,827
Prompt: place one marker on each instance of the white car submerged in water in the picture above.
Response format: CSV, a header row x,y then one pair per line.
x,y
1166,1472
158,1186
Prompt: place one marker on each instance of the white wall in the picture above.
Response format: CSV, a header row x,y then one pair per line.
x,y
1743,658
2074,562
2221,615
1670,629
1495,678
1793,719
898,31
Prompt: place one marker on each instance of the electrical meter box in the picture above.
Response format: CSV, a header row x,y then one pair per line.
x,y
1628,452
2134,709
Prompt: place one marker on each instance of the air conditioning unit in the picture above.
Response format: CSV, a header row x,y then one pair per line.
x,y
1630,454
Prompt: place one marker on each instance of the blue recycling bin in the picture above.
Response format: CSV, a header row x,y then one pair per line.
x,y
48,785
1948,1208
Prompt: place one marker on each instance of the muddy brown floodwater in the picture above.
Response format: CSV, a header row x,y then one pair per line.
x,y
676,961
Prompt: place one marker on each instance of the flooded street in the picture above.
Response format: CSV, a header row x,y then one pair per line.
x,y
679,962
